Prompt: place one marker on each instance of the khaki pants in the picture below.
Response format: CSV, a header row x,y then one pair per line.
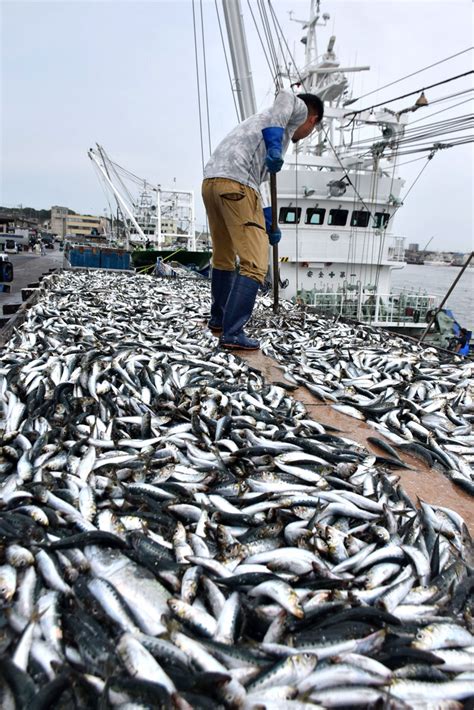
x,y
237,227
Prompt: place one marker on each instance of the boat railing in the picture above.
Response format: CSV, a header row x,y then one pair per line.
x,y
379,309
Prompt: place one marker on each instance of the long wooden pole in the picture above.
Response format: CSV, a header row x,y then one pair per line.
x,y
453,286
273,195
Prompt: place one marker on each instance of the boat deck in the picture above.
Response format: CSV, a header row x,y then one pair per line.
x,y
420,482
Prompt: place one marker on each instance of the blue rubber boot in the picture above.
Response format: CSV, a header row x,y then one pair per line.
x,y
237,312
221,284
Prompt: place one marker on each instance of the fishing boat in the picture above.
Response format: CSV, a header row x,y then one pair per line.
x,y
339,190
152,222
338,194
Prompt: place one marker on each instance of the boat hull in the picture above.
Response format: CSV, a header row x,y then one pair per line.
x,y
196,260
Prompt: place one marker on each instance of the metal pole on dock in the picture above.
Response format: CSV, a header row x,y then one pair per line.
x,y
453,285
273,194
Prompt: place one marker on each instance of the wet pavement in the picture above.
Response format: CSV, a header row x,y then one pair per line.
x,y
27,268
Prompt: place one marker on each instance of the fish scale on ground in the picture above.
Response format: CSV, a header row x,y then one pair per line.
x,y
177,533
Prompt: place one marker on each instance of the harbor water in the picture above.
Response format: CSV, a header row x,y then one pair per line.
x,y
436,280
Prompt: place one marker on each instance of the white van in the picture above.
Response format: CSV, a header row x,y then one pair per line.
x,y
8,245
12,243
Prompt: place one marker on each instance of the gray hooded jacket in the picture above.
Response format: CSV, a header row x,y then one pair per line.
x,y
241,154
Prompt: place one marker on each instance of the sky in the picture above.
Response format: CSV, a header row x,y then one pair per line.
x,y
123,74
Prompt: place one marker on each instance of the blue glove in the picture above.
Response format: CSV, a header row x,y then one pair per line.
x,y
274,236
273,138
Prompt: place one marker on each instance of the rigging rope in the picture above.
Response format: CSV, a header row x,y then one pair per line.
x,y
269,39
439,146
428,160
198,86
119,179
411,93
103,184
437,128
326,134
205,79
449,108
384,232
382,242
409,162
354,235
287,67
371,224
302,82
129,174
450,96
262,43
280,31
414,138
352,248
418,71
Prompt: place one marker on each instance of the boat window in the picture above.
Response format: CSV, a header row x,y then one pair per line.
x,y
381,220
360,218
289,215
338,217
315,215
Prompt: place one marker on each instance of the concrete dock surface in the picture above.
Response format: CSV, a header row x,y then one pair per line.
x,y
27,268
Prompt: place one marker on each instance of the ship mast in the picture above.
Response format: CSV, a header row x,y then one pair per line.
x,y
240,58
92,155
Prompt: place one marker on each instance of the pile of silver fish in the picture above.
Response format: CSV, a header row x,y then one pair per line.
x,y
177,533
415,396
